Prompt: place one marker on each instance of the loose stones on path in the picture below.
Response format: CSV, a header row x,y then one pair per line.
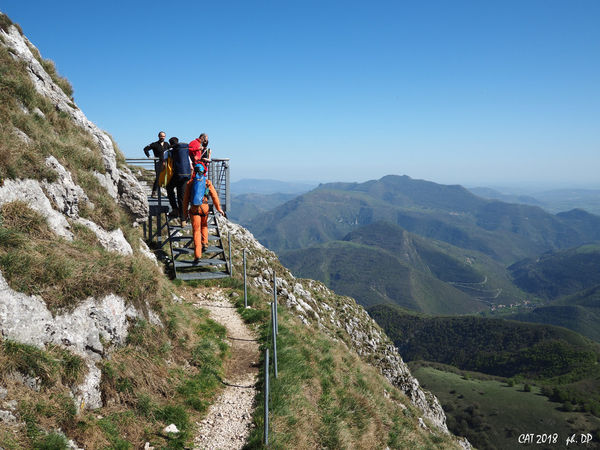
x,y
229,419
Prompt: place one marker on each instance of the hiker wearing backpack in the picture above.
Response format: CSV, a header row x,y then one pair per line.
x,y
158,149
195,204
182,170
199,151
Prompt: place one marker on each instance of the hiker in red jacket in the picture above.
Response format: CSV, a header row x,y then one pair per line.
x,y
195,204
199,151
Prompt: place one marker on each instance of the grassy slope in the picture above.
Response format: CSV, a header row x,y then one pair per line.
x,y
493,415
373,276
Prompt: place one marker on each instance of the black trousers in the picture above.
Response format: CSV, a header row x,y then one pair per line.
x,y
177,183
157,168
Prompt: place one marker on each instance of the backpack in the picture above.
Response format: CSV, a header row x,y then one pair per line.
x,y
166,173
199,189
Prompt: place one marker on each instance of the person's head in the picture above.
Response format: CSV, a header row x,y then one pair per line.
x,y
173,141
203,139
161,136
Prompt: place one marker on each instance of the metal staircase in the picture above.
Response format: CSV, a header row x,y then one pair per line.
x,y
213,263
175,244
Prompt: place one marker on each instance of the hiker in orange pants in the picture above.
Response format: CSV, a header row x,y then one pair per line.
x,y
196,206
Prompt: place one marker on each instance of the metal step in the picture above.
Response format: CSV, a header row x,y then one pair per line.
x,y
211,238
202,262
190,250
201,275
155,210
179,228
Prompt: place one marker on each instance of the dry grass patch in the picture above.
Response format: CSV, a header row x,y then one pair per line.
x,y
41,413
35,261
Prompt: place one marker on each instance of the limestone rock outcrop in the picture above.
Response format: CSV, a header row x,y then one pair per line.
x,y
26,319
95,324
128,192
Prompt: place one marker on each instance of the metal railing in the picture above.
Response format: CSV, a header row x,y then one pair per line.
x,y
273,331
218,174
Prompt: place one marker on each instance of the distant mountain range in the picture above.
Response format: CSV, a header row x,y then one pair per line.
x,y
245,207
504,231
554,201
254,197
431,248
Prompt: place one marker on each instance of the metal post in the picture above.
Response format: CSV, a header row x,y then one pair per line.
x,y
266,434
273,306
245,291
158,224
227,190
275,301
229,246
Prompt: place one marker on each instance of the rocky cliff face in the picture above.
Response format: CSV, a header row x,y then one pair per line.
x,y
25,318
118,181
340,317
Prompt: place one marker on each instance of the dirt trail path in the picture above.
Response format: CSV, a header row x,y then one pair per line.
x,y
229,419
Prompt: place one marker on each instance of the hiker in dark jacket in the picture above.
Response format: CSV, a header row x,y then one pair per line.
x,y
182,170
158,149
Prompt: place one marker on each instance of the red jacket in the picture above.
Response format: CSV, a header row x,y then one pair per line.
x,y
197,155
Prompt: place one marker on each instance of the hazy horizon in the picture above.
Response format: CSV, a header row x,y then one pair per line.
x,y
506,188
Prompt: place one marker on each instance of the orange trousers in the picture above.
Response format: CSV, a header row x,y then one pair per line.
x,y
199,228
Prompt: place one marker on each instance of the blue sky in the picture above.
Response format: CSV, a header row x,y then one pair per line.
x,y
467,92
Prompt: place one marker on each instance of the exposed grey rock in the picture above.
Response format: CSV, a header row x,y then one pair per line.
x,y
26,319
11,405
22,136
171,429
45,86
3,393
111,240
30,192
145,250
72,445
132,195
66,195
7,417
34,383
106,182
39,112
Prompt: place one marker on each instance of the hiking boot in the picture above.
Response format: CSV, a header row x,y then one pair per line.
x,y
183,224
204,247
154,194
196,261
